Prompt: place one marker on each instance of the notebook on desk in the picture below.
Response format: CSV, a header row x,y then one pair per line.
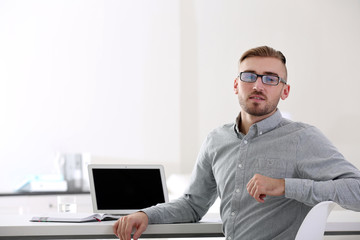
x,y
123,189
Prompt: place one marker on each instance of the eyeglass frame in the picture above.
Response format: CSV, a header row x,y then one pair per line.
x,y
262,80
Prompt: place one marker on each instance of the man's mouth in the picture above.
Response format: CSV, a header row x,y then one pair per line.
x,y
257,97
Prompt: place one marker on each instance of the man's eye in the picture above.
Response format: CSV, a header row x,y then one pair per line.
x,y
252,77
270,79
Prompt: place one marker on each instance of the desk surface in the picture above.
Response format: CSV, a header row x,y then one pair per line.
x,y
19,227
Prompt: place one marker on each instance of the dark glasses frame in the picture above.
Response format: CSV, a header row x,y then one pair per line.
x,y
266,79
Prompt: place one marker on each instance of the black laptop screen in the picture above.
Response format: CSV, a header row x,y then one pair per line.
x,y
127,188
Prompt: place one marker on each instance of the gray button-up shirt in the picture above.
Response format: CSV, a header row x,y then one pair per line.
x,y
313,170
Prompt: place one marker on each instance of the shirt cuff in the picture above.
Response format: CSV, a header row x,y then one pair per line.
x,y
295,187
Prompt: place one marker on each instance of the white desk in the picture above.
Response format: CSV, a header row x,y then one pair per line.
x,y
19,227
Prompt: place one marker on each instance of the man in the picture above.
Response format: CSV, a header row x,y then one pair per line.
x,y
268,171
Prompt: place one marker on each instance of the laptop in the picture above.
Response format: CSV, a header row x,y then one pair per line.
x,y
123,189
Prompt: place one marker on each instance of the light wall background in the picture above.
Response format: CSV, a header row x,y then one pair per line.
x,y
145,81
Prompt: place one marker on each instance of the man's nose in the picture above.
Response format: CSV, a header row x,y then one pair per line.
x,y
258,84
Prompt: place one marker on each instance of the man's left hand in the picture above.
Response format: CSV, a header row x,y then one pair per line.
x,y
260,186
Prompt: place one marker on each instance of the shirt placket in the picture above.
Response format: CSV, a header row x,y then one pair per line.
x,y
239,187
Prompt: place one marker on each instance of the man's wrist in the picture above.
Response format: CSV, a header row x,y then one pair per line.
x,y
282,184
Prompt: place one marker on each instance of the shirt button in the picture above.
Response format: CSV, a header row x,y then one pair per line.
x,y
232,213
260,133
240,165
237,190
245,141
229,238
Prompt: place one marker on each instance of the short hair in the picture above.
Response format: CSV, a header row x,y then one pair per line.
x,y
264,51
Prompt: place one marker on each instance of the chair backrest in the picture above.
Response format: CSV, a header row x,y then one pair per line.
x,y
313,226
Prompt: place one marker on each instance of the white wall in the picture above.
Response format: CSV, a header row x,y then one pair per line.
x,y
145,81
321,42
100,77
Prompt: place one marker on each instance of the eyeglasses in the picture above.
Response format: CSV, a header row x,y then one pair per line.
x,y
250,77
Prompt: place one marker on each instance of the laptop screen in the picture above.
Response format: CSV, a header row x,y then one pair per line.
x,y
125,189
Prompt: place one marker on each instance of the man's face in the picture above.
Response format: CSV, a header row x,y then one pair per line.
x,y
258,99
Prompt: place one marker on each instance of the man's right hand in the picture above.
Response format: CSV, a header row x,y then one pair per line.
x,y
125,225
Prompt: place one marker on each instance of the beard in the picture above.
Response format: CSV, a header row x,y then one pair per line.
x,y
258,109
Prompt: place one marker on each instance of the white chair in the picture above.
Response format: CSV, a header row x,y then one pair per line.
x,y
313,226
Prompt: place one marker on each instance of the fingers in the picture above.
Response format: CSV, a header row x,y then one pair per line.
x,y
115,227
255,190
260,186
139,231
125,226
122,228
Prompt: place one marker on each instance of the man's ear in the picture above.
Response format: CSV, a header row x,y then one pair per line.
x,y
236,83
285,92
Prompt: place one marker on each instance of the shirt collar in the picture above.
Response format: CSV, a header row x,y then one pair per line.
x,y
261,127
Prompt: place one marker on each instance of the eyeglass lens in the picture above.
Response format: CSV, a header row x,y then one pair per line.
x,y
266,79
